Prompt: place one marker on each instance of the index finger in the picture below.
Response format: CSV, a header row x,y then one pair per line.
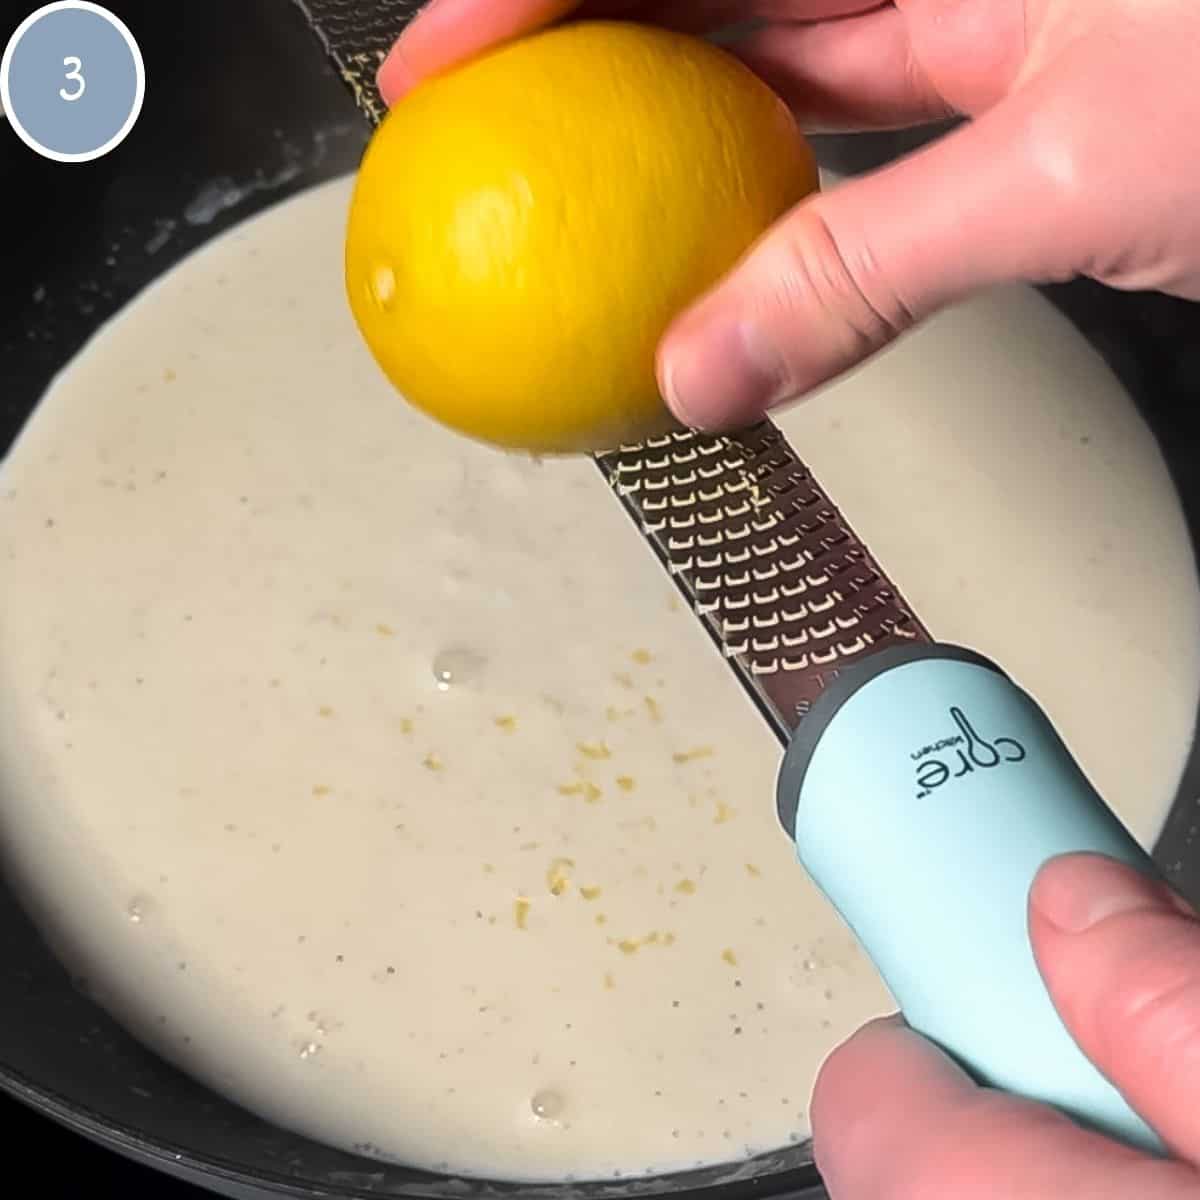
x,y
446,32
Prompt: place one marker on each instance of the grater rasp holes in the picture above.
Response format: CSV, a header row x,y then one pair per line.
x,y
356,37
763,556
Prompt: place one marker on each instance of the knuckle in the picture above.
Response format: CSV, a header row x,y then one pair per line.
x,y
1077,181
932,103
1151,1024
840,281
1058,157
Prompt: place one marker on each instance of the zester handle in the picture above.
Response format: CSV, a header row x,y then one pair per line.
x,y
925,790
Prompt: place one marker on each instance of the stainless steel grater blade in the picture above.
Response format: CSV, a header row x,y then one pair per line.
x,y
780,581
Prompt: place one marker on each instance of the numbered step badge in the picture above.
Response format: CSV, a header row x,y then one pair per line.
x,y
72,81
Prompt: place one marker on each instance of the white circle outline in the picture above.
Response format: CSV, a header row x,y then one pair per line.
x,y
139,89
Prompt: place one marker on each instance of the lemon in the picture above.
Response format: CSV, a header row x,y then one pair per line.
x,y
525,227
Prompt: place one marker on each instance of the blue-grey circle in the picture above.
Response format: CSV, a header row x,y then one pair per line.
x,y
37,75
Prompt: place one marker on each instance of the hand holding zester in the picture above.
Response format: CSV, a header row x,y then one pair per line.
x,y
894,1118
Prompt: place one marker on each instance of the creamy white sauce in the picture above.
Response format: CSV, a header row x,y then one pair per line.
x,y
378,778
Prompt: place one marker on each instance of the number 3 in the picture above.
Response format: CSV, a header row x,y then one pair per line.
x,y
73,76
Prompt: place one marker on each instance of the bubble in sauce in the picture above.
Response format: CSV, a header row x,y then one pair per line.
x,y
457,665
547,1105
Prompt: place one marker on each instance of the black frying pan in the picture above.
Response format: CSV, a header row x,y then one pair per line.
x,y
241,90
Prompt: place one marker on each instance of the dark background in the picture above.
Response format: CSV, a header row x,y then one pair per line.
x,y
237,91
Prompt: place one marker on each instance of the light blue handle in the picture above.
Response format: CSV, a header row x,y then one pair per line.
x,y
933,793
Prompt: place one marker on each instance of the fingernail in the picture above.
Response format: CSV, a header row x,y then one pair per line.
x,y
720,371
1077,893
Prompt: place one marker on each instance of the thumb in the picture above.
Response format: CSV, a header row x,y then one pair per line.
x,y
1120,954
851,269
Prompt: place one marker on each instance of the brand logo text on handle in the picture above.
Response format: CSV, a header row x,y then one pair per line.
x,y
960,754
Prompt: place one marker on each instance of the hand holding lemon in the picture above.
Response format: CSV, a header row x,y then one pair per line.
x,y
1072,166
526,226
